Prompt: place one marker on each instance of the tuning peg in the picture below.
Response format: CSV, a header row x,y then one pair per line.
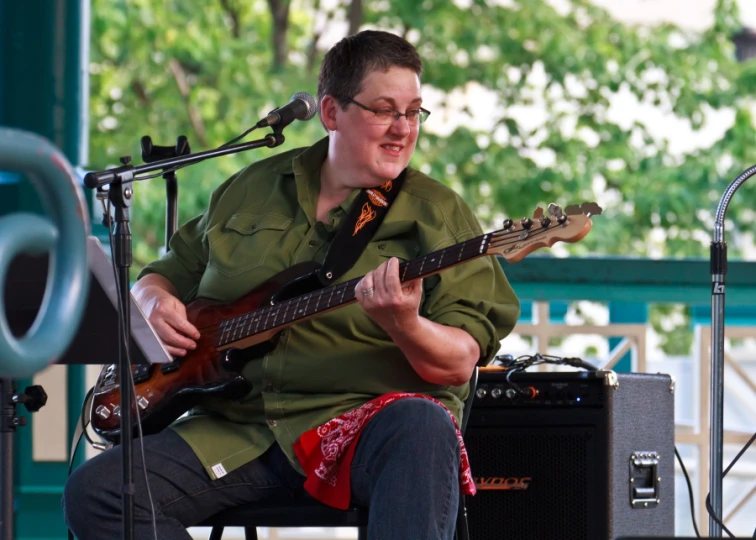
x,y
526,223
508,224
555,210
545,222
591,209
587,208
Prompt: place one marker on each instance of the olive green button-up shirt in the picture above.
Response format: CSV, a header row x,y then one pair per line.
x,y
262,221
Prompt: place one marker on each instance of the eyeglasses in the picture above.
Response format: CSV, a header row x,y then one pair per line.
x,y
386,115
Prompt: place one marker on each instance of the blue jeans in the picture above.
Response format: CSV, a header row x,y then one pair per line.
x,y
405,469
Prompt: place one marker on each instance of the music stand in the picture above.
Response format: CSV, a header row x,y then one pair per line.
x,y
96,342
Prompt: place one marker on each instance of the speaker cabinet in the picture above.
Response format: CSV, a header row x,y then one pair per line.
x,y
571,456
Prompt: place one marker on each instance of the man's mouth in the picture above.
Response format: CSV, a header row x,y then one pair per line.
x,y
392,147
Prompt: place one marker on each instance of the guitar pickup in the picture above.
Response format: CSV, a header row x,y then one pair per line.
x,y
141,373
170,367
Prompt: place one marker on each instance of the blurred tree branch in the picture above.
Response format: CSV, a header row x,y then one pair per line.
x,y
355,16
279,9
233,15
194,116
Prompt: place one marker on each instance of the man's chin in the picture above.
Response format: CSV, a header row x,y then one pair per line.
x,y
389,172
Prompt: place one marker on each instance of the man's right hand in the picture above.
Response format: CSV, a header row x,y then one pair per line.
x,y
166,313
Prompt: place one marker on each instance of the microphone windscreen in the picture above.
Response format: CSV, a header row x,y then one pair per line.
x,y
312,105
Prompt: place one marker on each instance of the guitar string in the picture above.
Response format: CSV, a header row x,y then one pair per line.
x,y
284,308
498,239
409,267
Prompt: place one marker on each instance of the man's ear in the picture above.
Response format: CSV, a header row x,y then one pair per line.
x,y
328,109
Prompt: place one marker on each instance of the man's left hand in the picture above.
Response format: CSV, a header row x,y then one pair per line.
x,y
389,302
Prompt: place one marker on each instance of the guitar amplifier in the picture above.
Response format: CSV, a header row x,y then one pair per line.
x,y
571,456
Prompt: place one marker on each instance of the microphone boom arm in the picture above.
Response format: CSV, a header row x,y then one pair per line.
x,y
101,178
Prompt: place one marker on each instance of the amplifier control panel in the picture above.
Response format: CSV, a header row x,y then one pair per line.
x,y
580,389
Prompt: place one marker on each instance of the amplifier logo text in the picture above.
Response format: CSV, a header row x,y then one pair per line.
x,y
503,484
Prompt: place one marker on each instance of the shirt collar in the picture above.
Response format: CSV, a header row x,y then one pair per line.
x,y
306,170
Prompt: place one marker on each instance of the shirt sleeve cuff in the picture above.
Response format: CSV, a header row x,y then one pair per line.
x,y
480,328
170,267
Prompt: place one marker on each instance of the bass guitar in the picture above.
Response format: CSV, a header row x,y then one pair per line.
x,y
234,333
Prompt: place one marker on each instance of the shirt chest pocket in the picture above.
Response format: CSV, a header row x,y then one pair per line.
x,y
378,252
244,241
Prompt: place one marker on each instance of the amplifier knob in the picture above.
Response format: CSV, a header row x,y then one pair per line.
x,y
481,393
496,393
511,393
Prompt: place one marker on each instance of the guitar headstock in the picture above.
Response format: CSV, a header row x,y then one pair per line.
x,y
519,238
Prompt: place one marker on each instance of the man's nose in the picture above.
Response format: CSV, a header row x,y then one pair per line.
x,y
401,126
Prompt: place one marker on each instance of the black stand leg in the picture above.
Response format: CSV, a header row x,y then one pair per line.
x,y
33,398
8,423
120,195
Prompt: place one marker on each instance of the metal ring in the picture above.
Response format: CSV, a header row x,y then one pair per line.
x,y
368,292
64,235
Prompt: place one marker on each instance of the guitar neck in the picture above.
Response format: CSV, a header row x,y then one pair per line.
x,y
294,310
514,242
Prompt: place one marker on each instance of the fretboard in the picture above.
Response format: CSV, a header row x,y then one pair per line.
x,y
308,305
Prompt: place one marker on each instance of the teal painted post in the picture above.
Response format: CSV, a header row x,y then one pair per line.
x,y
44,57
626,313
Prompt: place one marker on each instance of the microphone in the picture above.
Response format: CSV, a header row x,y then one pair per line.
x,y
302,106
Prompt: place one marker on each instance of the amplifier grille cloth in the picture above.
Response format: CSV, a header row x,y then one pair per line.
x,y
555,505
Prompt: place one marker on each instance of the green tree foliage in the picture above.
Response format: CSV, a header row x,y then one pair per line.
x,y
210,68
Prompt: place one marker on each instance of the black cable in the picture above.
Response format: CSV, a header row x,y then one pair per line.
x,y
713,516
709,508
525,361
81,418
122,327
83,428
690,493
742,451
232,141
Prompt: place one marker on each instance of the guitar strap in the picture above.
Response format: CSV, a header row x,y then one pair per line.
x,y
365,216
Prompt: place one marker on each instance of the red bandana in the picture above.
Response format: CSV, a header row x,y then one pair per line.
x,y
326,452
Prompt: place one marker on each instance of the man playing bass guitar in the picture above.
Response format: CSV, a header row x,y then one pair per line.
x,y
422,336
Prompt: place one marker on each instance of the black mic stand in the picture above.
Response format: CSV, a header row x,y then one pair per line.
x,y
120,195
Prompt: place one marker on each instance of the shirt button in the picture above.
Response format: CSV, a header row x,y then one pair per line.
x,y
381,246
272,423
312,243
